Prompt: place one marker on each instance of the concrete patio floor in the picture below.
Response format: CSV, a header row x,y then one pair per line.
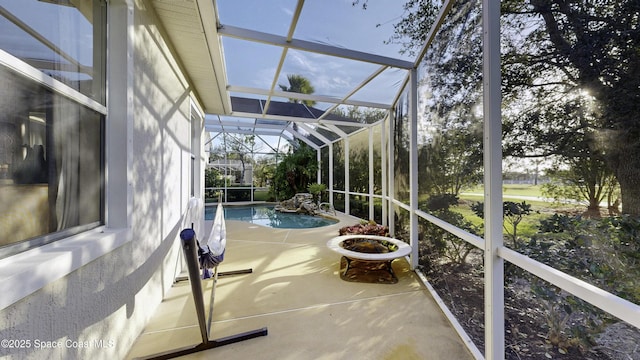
x,y
296,292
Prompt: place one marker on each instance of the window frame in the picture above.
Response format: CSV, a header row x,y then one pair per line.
x,y
33,75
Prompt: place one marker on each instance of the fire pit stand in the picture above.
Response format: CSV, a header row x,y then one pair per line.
x,y
368,258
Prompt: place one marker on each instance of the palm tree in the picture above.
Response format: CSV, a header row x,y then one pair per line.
x,y
299,84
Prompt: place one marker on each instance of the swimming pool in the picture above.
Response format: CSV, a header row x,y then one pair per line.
x,y
265,215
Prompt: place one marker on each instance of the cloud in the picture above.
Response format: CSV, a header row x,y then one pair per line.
x,y
287,11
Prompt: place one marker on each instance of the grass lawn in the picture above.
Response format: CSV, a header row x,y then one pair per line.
x,y
261,195
511,190
527,227
530,223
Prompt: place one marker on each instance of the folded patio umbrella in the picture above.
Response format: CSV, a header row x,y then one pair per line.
x,y
211,253
194,216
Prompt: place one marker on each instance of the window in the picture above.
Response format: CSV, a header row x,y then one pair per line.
x,y
51,135
64,39
196,123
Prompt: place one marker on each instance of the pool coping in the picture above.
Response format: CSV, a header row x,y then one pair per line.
x,y
323,215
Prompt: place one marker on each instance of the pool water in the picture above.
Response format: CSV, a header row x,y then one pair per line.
x,y
265,215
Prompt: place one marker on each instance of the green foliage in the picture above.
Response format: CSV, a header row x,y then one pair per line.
x,y
452,159
362,115
212,178
602,252
439,242
570,321
299,84
263,172
556,223
441,202
566,91
294,172
627,231
316,190
513,214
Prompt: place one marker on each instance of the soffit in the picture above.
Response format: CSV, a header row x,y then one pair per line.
x,y
191,28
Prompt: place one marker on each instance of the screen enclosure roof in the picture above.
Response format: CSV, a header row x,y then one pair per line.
x,y
239,57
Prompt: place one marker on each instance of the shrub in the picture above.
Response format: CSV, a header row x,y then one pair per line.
x,y
316,190
441,202
444,243
513,213
440,241
557,224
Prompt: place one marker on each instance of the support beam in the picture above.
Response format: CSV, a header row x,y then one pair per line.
x,y
384,168
371,178
493,263
391,171
313,132
355,90
331,174
283,56
319,171
303,138
347,208
433,31
298,119
270,39
310,97
413,167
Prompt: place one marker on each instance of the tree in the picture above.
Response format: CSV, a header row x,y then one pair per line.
x,y
294,172
237,147
591,49
451,158
582,178
450,135
299,84
555,54
361,115
263,171
316,190
212,178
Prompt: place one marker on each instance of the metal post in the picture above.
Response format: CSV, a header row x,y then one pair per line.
x,y
413,166
384,168
371,179
392,122
319,172
493,264
347,209
330,186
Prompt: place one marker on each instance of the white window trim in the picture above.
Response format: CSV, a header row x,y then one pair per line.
x,y
31,73
25,273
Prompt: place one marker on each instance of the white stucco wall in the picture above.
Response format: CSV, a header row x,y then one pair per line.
x,y
98,310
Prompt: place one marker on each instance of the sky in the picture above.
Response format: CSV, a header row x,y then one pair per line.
x,y
332,22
